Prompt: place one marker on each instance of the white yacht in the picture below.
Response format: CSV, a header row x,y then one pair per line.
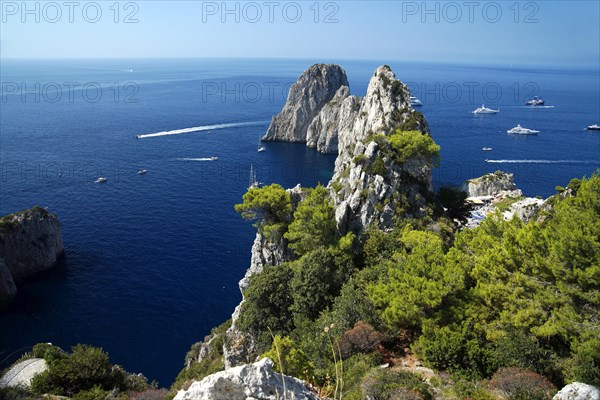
x,y
100,180
519,130
594,127
142,171
415,102
253,183
484,110
487,149
260,148
536,101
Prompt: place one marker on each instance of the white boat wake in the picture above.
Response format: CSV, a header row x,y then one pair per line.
x,y
199,129
198,159
583,162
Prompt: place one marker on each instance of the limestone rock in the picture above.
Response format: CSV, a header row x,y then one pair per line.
x,y
490,184
22,373
247,382
315,88
240,347
578,391
30,242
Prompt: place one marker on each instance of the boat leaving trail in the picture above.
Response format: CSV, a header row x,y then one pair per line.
x,y
582,162
199,129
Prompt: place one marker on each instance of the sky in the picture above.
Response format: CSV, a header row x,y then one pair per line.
x,y
546,32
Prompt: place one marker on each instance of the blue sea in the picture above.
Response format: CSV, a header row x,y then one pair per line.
x,y
152,261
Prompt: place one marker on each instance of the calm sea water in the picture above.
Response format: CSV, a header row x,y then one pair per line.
x,y
152,261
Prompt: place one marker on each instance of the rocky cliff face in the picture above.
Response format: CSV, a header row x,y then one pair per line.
x,y
254,381
315,88
490,184
30,242
369,185
240,347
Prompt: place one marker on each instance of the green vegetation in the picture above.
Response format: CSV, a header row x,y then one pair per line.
x,y
313,224
85,373
270,207
409,144
288,358
506,296
211,363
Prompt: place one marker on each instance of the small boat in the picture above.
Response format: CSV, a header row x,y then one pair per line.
x,y
138,136
213,158
142,171
415,102
484,110
487,149
536,101
594,127
260,148
519,130
100,180
253,183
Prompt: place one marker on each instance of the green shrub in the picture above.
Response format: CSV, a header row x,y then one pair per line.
x,y
360,159
519,384
413,144
384,383
314,223
95,393
268,299
86,368
289,359
270,207
17,393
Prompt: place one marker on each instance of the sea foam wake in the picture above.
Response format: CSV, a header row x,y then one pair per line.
x,y
198,159
583,162
200,128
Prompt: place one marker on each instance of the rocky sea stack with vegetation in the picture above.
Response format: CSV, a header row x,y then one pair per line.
x,y
373,269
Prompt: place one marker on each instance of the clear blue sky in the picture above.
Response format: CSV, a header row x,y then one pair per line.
x,y
528,32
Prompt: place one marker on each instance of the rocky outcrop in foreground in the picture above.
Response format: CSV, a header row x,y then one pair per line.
x,y
247,382
30,242
578,391
21,374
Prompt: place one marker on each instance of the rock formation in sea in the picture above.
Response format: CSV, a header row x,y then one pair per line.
x,y
490,184
251,381
315,88
30,242
369,186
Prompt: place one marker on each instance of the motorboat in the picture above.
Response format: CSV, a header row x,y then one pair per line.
x,y
213,158
100,180
594,127
487,149
536,101
519,130
138,136
415,102
484,110
142,171
260,148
